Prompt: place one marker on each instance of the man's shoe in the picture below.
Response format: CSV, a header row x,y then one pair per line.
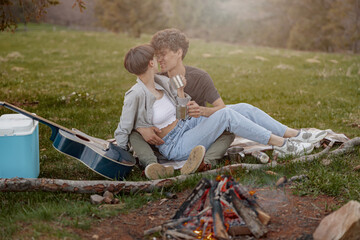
x,y
291,148
309,137
155,171
195,160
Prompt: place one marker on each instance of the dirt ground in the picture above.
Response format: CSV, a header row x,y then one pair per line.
x,y
292,217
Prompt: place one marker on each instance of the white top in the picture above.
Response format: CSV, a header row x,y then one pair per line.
x,y
164,112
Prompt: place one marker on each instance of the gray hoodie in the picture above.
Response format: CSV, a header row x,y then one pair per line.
x,y
137,110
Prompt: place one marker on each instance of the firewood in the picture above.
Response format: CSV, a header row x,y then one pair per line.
x,y
243,192
247,214
177,234
239,230
193,198
217,214
281,181
169,224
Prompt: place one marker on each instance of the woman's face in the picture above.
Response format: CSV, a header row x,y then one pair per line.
x,y
168,59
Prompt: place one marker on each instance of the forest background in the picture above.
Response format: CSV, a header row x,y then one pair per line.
x,y
320,25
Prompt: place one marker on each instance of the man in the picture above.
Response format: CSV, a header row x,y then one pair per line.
x,y
171,46
199,86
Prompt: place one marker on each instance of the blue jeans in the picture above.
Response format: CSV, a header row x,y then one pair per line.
x,y
241,119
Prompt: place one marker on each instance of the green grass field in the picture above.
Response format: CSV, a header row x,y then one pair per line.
x,y
77,80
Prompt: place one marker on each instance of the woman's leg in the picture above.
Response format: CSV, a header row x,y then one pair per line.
x,y
263,119
204,131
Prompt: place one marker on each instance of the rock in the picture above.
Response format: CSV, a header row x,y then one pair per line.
x,y
108,195
107,200
96,199
341,224
115,201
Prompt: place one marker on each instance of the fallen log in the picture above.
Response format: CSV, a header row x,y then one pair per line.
x,y
344,148
76,186
99,186
308,158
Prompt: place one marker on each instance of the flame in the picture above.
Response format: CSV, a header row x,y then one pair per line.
x,y
218,178
210,237
198,233
252,192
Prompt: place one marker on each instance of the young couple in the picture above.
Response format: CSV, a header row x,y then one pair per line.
x,y
149,113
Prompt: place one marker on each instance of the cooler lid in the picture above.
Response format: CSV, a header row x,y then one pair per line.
x,y
16,125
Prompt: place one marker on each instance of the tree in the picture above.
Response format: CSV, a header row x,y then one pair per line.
x,y
205,19
344,25
13,11
131,16
309,17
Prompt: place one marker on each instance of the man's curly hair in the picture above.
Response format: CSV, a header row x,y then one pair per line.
x,y
172,39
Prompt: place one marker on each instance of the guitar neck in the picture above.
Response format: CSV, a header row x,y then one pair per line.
x,y
54,127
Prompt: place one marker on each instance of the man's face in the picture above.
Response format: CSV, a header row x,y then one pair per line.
x,y
168,59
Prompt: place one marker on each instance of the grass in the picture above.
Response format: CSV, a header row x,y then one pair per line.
x,y
77,80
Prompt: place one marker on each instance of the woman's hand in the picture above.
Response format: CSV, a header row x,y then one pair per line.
x,y
194,109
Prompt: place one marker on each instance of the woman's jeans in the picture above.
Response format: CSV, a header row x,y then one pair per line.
x,y
242,119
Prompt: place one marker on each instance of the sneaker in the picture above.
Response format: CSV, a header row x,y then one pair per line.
x,y
309,137
292,148
195,160
155,171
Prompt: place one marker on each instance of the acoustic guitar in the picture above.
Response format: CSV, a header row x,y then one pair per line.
x,y
99,155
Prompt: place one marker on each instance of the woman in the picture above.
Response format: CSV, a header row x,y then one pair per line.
x,y
152,102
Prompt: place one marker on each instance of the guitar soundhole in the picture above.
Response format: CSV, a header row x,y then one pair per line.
x,y
82,138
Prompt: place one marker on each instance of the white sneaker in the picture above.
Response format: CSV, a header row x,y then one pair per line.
x,y
292,148
309,137
195,160
155,171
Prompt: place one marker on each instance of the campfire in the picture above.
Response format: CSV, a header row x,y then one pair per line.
x,y
216,209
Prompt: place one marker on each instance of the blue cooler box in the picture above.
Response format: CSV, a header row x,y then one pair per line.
x,y
19,146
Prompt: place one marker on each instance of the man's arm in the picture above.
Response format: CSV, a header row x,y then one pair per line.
x,y
194,110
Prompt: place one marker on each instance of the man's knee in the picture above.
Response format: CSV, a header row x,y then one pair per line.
x,y
135,136
142,149
218,149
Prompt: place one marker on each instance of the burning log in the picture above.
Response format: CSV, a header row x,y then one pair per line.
x,y
200,192
249,216
245,194
217,213
215,210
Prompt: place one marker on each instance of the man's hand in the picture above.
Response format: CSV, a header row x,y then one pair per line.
x,y
149,135
194,109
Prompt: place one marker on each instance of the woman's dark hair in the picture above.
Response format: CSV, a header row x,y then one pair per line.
x,y
136,61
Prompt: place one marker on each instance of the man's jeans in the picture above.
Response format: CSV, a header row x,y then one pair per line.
x,y
252,124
